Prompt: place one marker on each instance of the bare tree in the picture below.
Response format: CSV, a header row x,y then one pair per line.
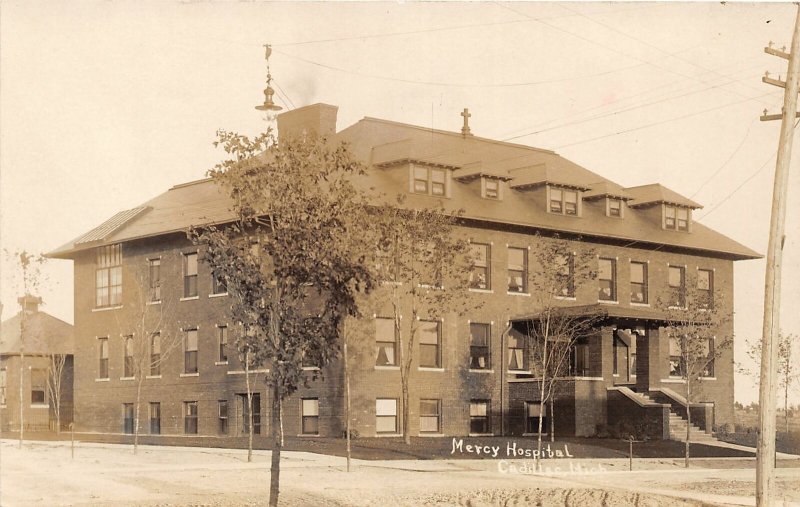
x,y
558,268
149,330
428,269
55,379
696,318
787,366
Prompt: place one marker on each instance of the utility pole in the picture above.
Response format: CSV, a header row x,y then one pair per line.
x,y
768,388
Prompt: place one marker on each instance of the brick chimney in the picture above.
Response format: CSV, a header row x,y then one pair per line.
x,y
318,118
30,303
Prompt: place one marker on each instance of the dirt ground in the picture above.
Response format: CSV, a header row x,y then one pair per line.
x,y
43,473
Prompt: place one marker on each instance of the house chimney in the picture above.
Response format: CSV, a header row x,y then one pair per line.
x,y
316,118
30,304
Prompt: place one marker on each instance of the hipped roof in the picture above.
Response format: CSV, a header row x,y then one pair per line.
x,y
385,145
44,335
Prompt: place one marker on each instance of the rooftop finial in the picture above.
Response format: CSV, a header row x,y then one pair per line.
x,y
269,104
465,129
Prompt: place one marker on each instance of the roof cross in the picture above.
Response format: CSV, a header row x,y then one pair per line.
x,y
465,129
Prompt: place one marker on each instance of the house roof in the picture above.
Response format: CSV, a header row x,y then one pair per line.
x,y
607,188
656,193
386,144
44,334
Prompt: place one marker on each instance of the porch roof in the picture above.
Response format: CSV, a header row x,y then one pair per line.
x,y
602,311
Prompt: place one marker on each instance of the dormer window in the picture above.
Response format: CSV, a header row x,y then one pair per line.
x,y
562,201
676,218
614,207
429,180
490,188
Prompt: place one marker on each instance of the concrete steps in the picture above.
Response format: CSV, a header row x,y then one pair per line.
x,y
677,428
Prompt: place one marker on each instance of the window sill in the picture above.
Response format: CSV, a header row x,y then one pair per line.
x,y
707,378
544,433
431,435
390,282
153,376
676,308
607,302
218,295
426,368
566,298
106,308
673,381
150,303
310,368
526,294
593,379
40,406
190,298
387,368
481,434
482,291
471,370
615,374
646,305
241,372
387,435
308,435
520,372
220,363
195,374
127,378
102,379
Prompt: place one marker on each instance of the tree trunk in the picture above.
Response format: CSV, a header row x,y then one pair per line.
x,y
406,412
542,403
347,398
552,423
786,403
137,415
21,388
277,438
688,423
249,408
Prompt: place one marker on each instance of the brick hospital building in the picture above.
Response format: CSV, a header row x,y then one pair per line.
x,y
472,373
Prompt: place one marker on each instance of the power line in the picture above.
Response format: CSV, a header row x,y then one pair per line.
x,y
660,122
735,151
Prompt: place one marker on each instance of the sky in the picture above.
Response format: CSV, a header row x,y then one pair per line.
x,y
104,105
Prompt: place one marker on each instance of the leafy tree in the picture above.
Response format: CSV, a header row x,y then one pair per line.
x,y
558,269
695,321
787,366
148,326
288,260
427,267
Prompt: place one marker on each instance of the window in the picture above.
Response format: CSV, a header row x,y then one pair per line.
x,y
385,415
516,351
677,365
429,344
620,349
102,355
677,286
479,338
534,411
614,207
155,279
480,278
705,289
108,276
127,366
429,180
190,275
3,385
245,411
385,342
222,344
190,353
676,218
517,270
563,201
579,358
430,416
38,386
479,416
639,282
491,188
708,370
155,418
127,418
565,275
155,354
607,277
309,416
190,417
218,285
222,417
